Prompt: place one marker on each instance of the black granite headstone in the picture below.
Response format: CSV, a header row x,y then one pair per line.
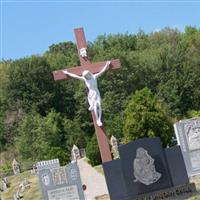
x,y
115,179
144,167
176,167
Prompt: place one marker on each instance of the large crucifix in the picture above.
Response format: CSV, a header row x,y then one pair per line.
x,y
88,72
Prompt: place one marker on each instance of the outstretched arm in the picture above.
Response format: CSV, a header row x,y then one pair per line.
x,y
103,70
73,75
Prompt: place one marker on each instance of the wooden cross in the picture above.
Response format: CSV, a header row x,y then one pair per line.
x,y
93,68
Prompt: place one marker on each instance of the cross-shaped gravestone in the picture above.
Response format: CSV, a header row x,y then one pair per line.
x,y
94,68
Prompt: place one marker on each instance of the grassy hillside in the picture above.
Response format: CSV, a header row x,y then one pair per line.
x,y
34,192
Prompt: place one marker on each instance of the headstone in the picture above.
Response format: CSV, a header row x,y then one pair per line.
x,y
15,167
15,197
25,184
82,153
61,183
48,164
34,169
4,184
147,170
188,137
75,153
114,147
18,195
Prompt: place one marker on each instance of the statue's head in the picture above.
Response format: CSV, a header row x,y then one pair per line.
x,y
83,52
87,74
141,152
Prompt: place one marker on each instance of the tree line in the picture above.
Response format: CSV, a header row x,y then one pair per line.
x,y
158,84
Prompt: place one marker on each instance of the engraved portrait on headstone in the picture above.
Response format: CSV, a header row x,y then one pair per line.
x,y
59,175
188,137
144,168
73,174
194,137
45,179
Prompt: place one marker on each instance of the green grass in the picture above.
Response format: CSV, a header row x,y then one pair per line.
x,y
99,169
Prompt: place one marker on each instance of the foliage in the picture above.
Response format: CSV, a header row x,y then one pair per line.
x,y
54,115
5,168
193,113
2,135
73,134
3,102
92,152
30,84
145,117
50,137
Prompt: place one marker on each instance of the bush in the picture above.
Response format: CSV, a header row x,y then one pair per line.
x,y
92,151
146,116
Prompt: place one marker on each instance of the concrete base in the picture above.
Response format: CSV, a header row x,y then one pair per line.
x,y
176,193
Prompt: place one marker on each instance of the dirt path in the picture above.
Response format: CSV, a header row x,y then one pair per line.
x,y
95,182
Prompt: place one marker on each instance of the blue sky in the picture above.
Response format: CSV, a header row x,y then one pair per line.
x,y
30,27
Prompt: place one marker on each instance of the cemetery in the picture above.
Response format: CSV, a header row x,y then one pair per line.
x,y
139,169
115,118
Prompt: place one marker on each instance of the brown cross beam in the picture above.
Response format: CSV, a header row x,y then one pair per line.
x,y
94,68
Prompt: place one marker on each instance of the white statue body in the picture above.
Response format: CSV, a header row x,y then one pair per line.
x,y
94,98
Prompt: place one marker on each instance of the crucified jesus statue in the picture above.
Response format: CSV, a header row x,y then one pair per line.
x,y
94,98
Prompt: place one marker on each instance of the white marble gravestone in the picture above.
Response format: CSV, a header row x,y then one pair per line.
x,y
188,137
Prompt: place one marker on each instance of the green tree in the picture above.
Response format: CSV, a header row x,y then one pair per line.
x,y
73,134
146,117
92,151
3,140
193,113
37,136
62,55
31,84
4,66
41,138
167,62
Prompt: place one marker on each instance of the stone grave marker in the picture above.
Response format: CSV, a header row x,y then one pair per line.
x,y
15,167
75,153
48,164
61,183
188,137
114,147
147,171
4,184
